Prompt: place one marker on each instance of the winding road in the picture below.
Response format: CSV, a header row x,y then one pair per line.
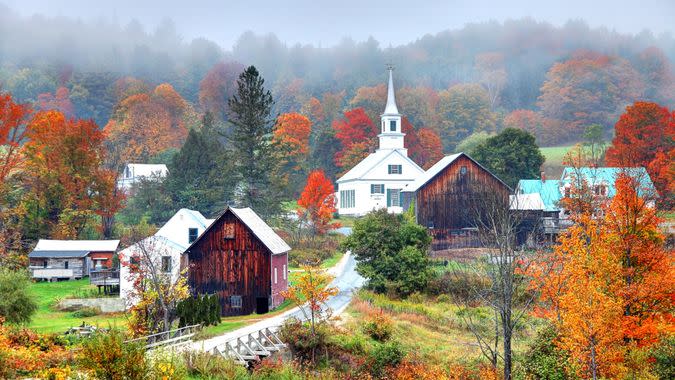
x,y
346,280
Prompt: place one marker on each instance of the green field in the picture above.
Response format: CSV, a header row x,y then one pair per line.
x,y
49,320
555,154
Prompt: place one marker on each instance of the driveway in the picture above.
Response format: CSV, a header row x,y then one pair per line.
x,y
346,280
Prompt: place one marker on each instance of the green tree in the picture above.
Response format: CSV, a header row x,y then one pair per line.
x,y
391,252
255,158
16,303
464,109
594,142
511,155
199,177
472,141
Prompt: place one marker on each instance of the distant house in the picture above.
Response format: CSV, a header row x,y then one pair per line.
x,y
546,194
443,197
70,259
133,173
240,258
166,245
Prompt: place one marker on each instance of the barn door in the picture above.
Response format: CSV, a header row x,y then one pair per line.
x,y
262,305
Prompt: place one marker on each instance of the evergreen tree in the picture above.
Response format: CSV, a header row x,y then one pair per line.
x,y
199,177
256,162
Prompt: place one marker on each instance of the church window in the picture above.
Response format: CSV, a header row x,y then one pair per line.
x,y
347,198
392,125
395,169
377,188
394,198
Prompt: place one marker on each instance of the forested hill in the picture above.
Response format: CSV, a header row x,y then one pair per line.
x,y
520,65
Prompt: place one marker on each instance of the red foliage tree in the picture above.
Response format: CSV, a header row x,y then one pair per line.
x,y
59,101
429,149
317,202
219,84
354,127
645,136
13,120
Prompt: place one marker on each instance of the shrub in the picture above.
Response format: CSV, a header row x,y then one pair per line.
x,y
213,367
204,309
167,365
16,303
106,356
23,352
378,326
459,285
664,358
385,355
408,370
544,360
85,312
302,343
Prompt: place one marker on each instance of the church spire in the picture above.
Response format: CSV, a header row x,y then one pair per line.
x,y
391,108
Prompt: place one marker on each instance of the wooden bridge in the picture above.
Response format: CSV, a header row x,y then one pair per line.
x,y
251,347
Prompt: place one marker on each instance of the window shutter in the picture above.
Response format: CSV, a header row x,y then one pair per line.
x,y
400,198
388,198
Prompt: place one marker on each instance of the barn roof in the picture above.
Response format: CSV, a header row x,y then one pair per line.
x,y
260,229
77,245
526,202
437,168
57,254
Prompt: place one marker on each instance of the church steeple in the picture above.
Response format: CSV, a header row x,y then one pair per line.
x,y
390,135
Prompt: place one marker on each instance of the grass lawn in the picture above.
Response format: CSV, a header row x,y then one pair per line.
x,y
345,221
555,154
49,320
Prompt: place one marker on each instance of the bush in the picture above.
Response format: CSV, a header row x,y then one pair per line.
x,y
378,326
302,343
459,285
664,358
16,303
106,356
384,356
213,367
544,360
204,309
167,365
309,256
85,312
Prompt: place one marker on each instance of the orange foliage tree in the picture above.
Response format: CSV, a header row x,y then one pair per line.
x,y
645,136
13,130
219,84
429,148
317,203
59,101
64,177
293,129
354,128
145,124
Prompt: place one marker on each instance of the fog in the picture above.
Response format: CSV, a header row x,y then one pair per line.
x,y
324,23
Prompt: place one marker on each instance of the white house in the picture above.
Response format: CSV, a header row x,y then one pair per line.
x,y
133,173
376,182
165,247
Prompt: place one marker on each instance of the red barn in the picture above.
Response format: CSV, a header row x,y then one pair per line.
x,y
240,258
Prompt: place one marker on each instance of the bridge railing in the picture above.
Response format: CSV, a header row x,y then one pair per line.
x,y
174,337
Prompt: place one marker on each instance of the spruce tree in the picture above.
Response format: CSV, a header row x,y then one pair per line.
x,y
256,161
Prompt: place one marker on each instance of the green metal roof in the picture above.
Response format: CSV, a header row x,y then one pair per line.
x,y
550,190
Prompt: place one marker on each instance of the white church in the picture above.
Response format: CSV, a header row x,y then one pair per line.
x,y
376,182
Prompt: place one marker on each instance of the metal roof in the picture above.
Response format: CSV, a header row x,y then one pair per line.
x,y
57,254
77,245
258,227
526,202
549,191
391,108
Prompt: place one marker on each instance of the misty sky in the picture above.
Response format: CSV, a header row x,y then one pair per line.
x,y
327,22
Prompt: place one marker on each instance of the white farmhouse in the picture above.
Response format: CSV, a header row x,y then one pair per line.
x,y
133,173
376,182
166,247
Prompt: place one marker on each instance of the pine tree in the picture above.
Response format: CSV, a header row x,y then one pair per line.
x,y
199,176
254,151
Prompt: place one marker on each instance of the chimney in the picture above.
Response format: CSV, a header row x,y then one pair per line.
x,y
543,177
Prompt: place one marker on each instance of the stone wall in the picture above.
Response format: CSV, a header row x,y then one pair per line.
x,y
106,305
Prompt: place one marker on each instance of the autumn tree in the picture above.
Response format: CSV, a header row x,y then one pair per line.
x,y
66,183
218,86
464,109
252,140
317,203
356,133
532,122
13,130
419,105
429,148
589,88
645,136
59,101
657,74
291,135
371,100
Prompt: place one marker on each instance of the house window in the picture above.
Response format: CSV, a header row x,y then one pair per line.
x,y
235,302
166,264
600,190
462,170
392,125
65,265
228,231
395,169
192,234
347,198
377,188
394,198
285,272
275,276
44,264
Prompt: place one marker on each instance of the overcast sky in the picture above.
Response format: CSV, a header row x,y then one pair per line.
x,y
327,22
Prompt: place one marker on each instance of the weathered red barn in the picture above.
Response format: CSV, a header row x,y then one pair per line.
x,y
240,258
445,196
